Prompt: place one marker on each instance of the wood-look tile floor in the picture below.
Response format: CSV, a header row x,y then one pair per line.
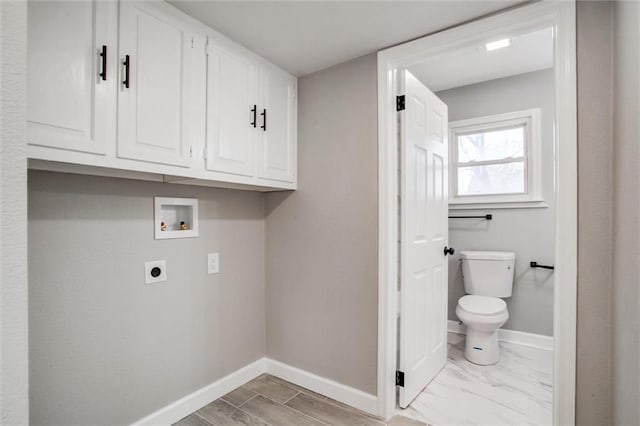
x,y
270,401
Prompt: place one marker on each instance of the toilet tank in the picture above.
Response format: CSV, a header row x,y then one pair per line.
x,y
488,273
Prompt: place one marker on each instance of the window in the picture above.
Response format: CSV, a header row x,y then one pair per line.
x,y
495,159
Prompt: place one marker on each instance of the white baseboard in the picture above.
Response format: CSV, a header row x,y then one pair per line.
x,y
510,336
198,399
342,393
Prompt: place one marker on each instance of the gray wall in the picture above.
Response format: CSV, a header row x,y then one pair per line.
x,y
595,96
322,239
593,399
528,232
295,329
14,403
626,216
594,144
104,347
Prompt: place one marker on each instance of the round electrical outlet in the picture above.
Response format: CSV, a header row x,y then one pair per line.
x,y
154,271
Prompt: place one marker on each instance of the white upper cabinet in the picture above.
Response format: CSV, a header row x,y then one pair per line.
x,y
139,89
232,112
277,123
153,93
71,77
250,118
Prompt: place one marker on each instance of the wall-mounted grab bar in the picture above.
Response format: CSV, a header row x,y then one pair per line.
x,y
535,265
486,217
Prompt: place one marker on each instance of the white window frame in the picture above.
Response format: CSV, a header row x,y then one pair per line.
x,y
532,197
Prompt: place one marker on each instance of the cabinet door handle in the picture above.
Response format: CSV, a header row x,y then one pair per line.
x,y
254,110
126,64
264,120
103,56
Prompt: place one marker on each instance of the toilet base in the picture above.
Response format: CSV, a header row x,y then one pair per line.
x,y
482,347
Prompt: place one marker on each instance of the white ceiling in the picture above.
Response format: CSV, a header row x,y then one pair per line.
x,y
307,36
528,52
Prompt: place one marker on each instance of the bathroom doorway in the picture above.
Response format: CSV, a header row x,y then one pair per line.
x,y
508,180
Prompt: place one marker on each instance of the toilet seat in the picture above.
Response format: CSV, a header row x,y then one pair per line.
x,y
482,317
482,305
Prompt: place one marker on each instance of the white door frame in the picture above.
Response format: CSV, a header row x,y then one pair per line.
x,y
560,15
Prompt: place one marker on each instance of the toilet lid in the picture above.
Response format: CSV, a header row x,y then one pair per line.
x,y
482,305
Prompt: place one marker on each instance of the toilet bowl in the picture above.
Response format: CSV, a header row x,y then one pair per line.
x,y
482,316
488,277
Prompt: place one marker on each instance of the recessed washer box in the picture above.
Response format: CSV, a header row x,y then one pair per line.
x,y
175,218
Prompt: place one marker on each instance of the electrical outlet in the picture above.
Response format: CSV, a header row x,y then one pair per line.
x,y
213,263
155,271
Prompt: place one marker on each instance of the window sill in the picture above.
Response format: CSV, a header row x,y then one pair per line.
x,y
528,204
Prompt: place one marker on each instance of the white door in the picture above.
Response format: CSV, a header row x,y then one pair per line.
x,y
152,99
232,113
71,78
276,124
424,236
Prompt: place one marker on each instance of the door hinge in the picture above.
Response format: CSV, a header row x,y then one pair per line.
x,y
400,103
204,153
206,48
191,152
400,378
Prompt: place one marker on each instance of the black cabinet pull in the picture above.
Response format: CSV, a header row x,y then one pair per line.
x,y
486,217
263,114
126,71
448,250
103,55
254,110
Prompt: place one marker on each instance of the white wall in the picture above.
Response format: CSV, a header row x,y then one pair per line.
x,y
107,349
14,405
527,232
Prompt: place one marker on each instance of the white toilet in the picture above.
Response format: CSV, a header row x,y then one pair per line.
x,y
488,277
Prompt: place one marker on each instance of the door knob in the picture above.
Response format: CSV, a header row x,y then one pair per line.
x,y
448,250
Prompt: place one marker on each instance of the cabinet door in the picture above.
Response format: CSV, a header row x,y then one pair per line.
x,y
152,119
276,121
232,113
69,105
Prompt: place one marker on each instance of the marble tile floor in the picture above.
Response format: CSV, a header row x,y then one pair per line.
x,y
270,401
516,391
